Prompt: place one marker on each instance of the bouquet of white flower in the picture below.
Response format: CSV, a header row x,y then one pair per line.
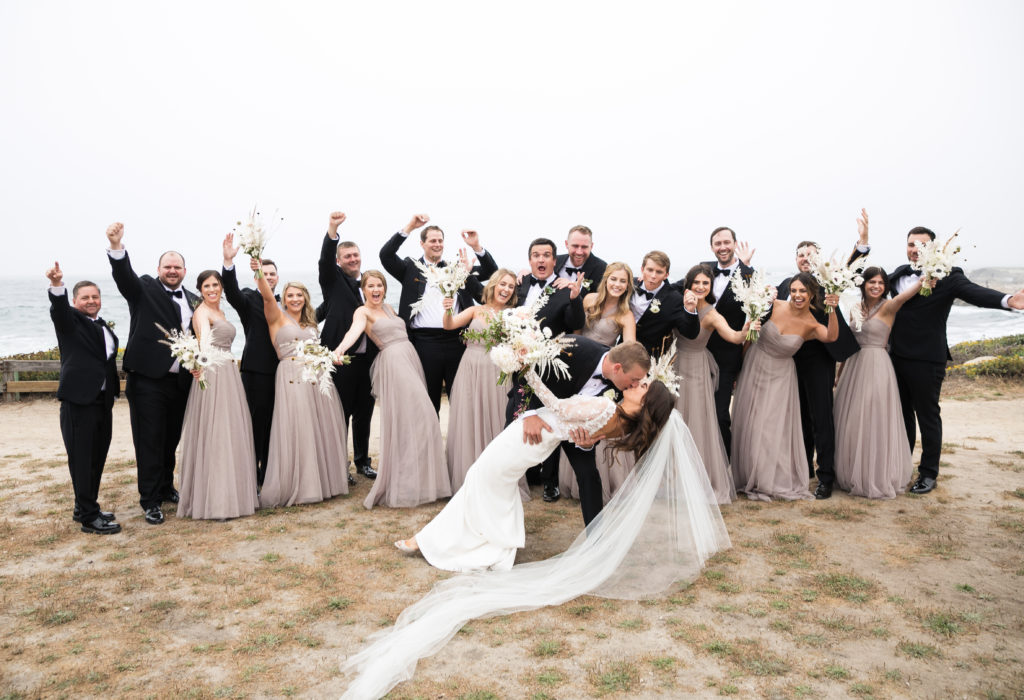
x,y
253,236
317,362
192,354
834,275
754,294
449,278
934,262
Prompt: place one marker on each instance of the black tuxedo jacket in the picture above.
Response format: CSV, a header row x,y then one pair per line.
x,y
149,305
341,299
654,327
413,283
919,329
593,270
259,354
581,357
844,346
561,314
84,365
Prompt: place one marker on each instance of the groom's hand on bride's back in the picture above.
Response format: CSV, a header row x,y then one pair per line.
x,y
533,429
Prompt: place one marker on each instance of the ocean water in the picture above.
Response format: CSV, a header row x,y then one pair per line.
x,y
25,324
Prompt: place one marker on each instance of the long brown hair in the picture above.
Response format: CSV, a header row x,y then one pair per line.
x,y
307,317
643,428
595,312
812,286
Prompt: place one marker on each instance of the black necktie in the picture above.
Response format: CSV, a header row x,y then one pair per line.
x,y
539,283
643,292
176,293
573,270
720,271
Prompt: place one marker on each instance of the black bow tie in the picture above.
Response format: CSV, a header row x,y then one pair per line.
x,y
537,282
640,291
100,322
277,297
720,271
573,270
176,293
915,273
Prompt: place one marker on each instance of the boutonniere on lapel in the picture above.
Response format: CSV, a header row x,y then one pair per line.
x,y
194,303
549,290
610,395
110,324
655,306
586,285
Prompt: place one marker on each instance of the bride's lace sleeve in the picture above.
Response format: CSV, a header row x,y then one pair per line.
x,y
587,412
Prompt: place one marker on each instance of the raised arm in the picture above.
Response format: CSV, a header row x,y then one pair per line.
x,y
725,331
389,251
60,305
862,246
230,277
460,319
828,335
357,328
271,310
120,266
328,264
686,320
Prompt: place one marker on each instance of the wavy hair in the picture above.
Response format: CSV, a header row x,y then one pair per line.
x,y
307,317
492,284
813,289
597,310
705,270
643,429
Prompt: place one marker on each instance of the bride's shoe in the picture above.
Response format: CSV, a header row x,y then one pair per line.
x,y
404,546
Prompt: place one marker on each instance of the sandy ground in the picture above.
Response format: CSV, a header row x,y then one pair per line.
x,y
919,597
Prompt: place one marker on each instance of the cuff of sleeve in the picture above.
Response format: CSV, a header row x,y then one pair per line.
x,y
117,254
863,248
1006,301
229,268
58,291
527,414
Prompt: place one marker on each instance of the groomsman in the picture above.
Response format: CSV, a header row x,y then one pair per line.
x,y
729,257
259,358
562,313
580,258
88,386
658,308
439,350
340,272
919,350
816,371
157,387
593,370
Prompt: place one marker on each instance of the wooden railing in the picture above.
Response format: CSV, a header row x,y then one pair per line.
x,y
12,387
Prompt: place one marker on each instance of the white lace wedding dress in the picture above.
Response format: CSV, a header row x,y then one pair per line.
x,y
659,528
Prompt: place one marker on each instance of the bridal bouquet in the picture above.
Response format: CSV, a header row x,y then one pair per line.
x,y
754,294
192,354
516,342
317,362
449,278
253,236
934,262
834,275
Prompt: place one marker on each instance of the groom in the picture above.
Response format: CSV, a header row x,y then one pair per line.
x,y
593,370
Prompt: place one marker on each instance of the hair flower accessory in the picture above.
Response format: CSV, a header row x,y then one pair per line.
x,y
662,371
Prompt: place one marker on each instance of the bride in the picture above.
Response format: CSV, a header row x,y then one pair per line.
x,y
659,527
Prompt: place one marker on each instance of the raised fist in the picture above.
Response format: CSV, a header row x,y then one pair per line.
x,y
115,232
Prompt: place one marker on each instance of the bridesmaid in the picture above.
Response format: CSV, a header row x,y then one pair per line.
x,y
476,409
307,459
872,454
608,318
699,373
412,465
768,455
218,466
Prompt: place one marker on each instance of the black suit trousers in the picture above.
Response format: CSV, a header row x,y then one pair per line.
x,y
86,429
157,409
920,386
353,384
816,376
584,466
723,401
440,353
259,394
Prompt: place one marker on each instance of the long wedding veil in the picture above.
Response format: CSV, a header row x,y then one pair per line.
x,y
659,528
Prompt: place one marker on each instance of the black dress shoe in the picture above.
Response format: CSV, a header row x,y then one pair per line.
x,y
923,485
172,497
99,526
76,515
551,494
351,480
367,471
154,516
823,491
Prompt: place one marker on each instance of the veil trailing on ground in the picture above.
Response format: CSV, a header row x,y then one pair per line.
x,y
658,529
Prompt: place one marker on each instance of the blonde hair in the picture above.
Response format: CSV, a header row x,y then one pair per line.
x,y
658,258
595,312
307,317
377,274
492,285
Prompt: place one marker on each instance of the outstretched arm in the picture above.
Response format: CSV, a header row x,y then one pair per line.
x,y
120,267
460,319
60,306
725,331
354,331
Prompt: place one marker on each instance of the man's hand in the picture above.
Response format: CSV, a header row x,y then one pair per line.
x,y
581,438
560,283
115,232
862,227
690,301
1017,301
55,275
472,239
576,285
521,274
417,221
337,219
465,261
744,252
533,430
229,249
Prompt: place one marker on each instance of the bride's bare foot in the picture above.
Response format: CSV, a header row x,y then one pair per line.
x,y
408,546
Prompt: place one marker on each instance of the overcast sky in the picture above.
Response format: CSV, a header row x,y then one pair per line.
x,y
652,123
